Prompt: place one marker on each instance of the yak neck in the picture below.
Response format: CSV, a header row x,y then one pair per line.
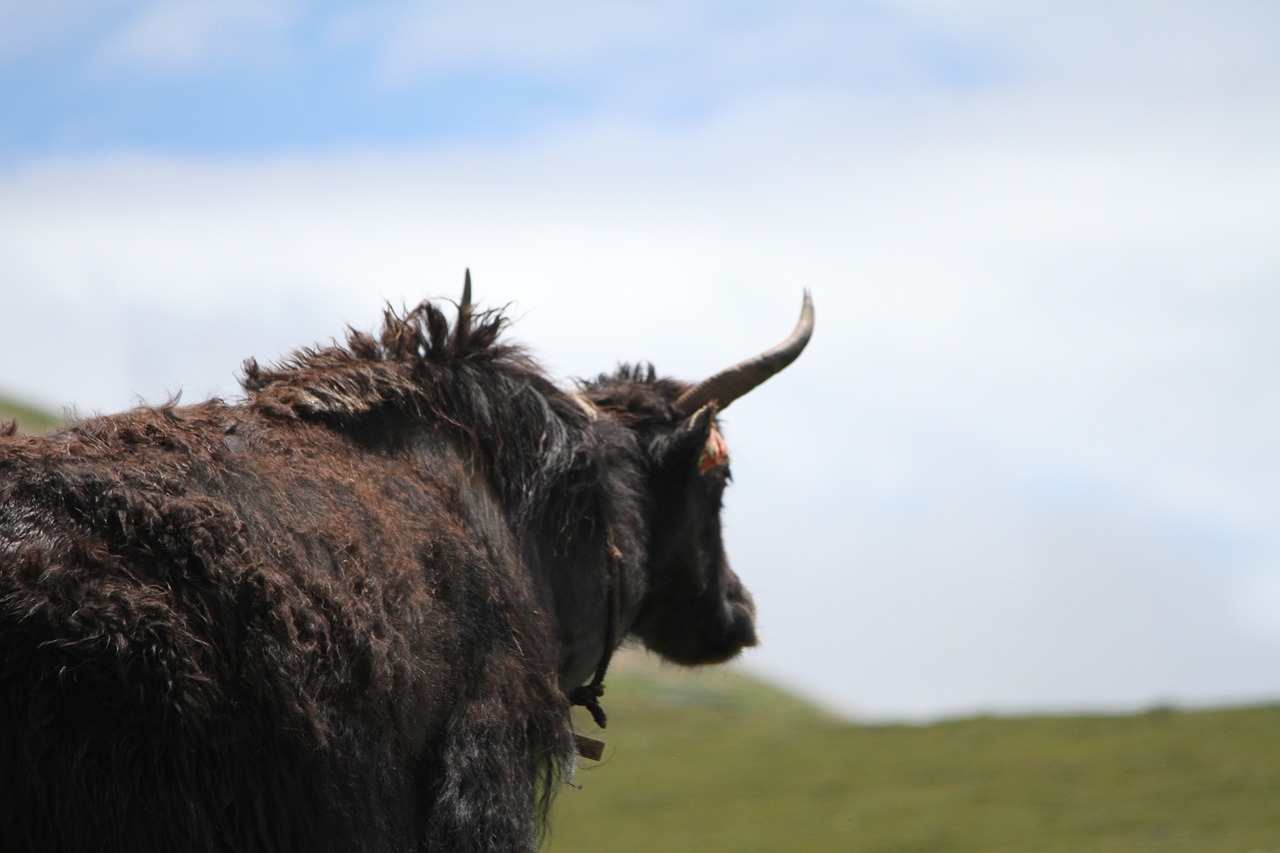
x,y
589,695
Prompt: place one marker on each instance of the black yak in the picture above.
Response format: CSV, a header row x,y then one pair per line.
x,y
350,611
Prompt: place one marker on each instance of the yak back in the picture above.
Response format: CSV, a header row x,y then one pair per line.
x,y
302,621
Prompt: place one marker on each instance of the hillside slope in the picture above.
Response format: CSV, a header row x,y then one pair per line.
x,y
720,762
30,419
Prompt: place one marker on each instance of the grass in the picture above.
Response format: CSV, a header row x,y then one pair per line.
x,y
30,419
724,763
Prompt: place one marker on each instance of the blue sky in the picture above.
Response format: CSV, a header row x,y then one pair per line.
x,y
1028,461
303,87
252,78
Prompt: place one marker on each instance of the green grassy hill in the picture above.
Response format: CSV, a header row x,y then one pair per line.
x,y
716,761
29,419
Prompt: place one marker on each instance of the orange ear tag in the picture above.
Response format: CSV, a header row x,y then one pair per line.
x,y
714,453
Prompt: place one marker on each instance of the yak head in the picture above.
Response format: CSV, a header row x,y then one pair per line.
x,y
694,610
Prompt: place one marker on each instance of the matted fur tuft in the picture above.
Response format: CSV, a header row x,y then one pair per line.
x,y
372,372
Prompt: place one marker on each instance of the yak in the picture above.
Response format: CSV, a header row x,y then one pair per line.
x,y
351,610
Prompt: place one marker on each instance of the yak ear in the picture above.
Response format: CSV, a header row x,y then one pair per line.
x,y
681,447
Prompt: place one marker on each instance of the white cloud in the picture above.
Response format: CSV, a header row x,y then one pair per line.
x,y
194,34
1256,599
921,571
669,58
27,28
512,34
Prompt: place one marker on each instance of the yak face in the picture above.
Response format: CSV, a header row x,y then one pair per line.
x,y
696,611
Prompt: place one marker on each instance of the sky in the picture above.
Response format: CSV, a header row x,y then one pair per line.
x,y
1028,463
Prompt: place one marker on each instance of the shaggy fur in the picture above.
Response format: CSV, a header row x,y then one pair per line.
x,y
342,614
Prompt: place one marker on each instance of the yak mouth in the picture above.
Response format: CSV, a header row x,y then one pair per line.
x,y
740,633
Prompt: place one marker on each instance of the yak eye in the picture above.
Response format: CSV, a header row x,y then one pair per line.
x,y
718,477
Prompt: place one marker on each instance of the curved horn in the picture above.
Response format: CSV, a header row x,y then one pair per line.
x,y
732,382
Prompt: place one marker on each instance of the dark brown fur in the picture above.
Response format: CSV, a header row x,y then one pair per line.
x,y
342,614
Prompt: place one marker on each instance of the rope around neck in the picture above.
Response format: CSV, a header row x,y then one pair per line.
x,y
589,695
